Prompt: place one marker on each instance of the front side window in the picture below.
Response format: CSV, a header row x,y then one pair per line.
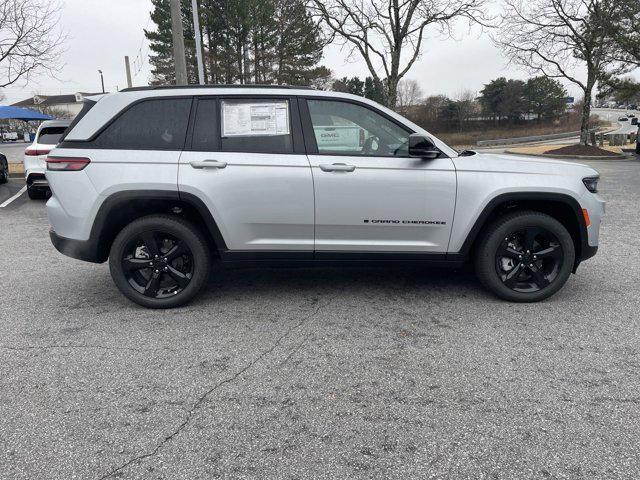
x,y
157,124
349,129
256,125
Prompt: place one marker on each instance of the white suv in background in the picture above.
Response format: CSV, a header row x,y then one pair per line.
x,y
47,136
160,180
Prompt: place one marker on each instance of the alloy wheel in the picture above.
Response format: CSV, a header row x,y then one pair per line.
x,y
529,259
157,264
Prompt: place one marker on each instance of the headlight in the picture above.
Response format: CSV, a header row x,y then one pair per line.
x,y
591,183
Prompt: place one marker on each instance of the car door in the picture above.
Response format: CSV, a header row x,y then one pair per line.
x,y
370,196
246,161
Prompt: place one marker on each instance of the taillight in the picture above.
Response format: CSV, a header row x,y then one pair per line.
x,y
35,152
67,164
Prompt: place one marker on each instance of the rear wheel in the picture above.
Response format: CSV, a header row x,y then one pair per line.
x,y
160,261
4,173
525,257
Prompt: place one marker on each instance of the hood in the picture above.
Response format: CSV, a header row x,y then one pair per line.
x,y
498,162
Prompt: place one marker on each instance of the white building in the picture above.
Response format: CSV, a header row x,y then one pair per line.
x,y
59,106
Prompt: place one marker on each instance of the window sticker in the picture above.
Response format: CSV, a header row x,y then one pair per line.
x,y
339,138
255,119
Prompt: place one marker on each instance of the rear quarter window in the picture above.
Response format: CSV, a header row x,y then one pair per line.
x,y
155,124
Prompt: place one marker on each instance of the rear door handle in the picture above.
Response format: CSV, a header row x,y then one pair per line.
x,y
337,167
207,164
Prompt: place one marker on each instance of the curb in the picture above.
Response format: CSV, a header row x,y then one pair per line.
x,y
500,142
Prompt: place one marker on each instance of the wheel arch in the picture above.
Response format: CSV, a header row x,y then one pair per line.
x,y
562,207
121,208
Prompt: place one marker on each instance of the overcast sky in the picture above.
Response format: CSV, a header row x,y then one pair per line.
x,y
102,32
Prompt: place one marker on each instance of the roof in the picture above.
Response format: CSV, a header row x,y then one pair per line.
x,y
16,113
52,100
55,123
174,87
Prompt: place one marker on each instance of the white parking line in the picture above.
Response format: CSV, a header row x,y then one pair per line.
x,y
7,202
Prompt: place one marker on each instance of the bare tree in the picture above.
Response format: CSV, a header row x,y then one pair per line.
x,y
30,39
388,34
409,94
553,37
466,106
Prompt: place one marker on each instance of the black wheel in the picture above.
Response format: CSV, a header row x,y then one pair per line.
x,y
525,256
160,261
36,193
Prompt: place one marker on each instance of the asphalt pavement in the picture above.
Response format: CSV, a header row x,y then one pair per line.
x,y
391,373
14,151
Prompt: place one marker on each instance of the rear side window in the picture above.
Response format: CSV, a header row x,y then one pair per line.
x,y
157,124
256,125
50,135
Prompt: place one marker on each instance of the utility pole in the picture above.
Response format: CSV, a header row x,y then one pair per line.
x,y
196,34
178,43
101,80
128,70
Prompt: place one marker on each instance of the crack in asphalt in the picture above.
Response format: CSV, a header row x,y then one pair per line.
x,y
80,346
206,394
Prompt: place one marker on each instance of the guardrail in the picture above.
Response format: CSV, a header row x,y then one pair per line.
x,y
535,138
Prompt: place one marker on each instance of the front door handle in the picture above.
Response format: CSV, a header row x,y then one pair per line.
x,y
337,167
207,164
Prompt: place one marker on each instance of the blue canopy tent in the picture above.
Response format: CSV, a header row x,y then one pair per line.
x,y
24,114
15,113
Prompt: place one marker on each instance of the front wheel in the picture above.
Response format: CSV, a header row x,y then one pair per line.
x,y
525,256
160,261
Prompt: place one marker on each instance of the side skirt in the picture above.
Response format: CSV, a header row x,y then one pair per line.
x,y
245,258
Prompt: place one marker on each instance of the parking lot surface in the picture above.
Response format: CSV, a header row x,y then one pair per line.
x,y
14,151
321,373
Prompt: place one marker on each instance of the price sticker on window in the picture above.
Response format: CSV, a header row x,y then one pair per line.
x,y
242,119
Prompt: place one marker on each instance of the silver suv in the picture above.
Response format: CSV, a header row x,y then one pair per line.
x,y
161,180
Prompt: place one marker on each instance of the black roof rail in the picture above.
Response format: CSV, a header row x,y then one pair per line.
x,y
176,87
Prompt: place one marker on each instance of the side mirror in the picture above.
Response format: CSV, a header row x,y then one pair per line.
x,y
422,147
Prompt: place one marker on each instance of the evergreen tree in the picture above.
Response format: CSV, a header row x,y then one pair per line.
x,y
546,97
244,41
299,47
161,43
374,90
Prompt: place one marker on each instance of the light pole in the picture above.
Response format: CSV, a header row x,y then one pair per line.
x,y
101,80
196,30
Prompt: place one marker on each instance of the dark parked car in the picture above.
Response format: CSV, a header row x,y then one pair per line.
x,y
4,169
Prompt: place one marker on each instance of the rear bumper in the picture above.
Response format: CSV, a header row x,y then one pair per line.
x,y
85,250
37,180
34,166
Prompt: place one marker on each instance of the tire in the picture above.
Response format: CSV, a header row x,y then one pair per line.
x,y
145,278
36,193
525,256
4,175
